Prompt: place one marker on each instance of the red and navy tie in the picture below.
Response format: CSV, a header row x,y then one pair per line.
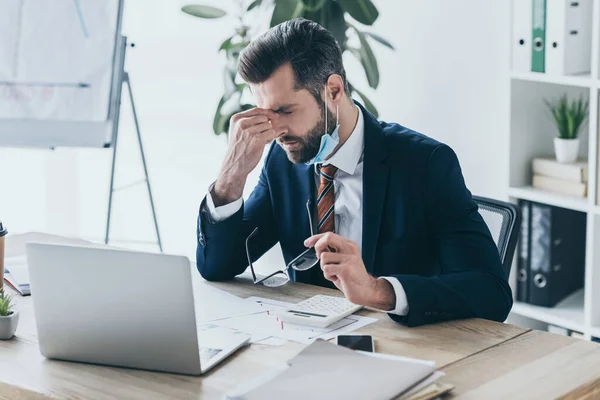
x,y
326,199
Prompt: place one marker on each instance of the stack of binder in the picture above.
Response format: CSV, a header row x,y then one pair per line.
x,y
563,178
552,36
551,263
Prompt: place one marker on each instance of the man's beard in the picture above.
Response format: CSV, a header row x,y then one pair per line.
x,y
311,142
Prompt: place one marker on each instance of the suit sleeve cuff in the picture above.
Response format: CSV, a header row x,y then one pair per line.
x,y
218,214
401,300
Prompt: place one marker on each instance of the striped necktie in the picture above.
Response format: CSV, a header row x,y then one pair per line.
x,y
326,199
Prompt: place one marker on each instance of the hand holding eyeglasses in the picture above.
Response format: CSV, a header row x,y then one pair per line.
x,y
342,264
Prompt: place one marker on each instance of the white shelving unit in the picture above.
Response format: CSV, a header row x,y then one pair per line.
x,y
530,136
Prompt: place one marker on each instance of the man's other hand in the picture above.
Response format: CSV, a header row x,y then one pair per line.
x,y
342,264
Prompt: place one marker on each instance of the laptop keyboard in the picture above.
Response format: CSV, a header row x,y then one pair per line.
x,y
207,354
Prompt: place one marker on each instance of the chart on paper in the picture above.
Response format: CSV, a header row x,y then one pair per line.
x,y
267,324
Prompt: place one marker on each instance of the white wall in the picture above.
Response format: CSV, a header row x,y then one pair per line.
x,y
448,79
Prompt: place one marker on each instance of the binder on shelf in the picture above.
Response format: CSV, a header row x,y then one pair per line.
x,y
557,253
568,36
538,30
521,39
524,245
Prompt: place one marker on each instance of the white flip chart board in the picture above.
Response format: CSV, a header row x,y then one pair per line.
x,y
60,68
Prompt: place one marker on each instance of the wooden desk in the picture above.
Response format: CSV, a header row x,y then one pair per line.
x,y
542,365
477,355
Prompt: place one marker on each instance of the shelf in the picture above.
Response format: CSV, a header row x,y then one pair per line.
x,y
584,80
567,314
553,199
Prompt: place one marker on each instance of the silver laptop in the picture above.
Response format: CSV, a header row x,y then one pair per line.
x,y
120,308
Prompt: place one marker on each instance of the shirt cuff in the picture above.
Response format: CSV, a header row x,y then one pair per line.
x,y
401,300
218,214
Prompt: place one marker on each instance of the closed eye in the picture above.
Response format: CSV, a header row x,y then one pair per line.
x,y
284,111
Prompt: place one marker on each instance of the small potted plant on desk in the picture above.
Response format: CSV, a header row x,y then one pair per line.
x,y
9,318
569,119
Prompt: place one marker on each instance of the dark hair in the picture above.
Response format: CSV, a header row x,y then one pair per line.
x,y
311,50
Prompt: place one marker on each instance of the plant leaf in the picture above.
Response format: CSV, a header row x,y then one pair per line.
x,y
285,10
336,23
254,4
569,118
226,45
368,104
380,40
201,11
314,5
229,83
218,120
368,61
364,11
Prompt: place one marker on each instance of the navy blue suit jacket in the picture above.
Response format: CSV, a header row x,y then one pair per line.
x,y
420,225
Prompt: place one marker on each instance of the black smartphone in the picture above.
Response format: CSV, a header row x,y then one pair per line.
x,y
357,342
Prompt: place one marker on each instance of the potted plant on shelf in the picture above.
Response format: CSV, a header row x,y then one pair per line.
x,y
9,318
569,119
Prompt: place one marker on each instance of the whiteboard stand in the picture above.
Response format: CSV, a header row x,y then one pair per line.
x,y
123,78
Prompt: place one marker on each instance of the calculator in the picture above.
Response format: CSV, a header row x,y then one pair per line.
x,y
319,311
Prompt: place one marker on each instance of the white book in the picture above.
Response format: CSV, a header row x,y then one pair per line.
x,y
575,172
521,35
568,36
560,186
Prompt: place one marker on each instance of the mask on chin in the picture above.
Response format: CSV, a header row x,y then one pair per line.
x,y
328,141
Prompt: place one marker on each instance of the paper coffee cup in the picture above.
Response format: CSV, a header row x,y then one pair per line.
x,y
3,233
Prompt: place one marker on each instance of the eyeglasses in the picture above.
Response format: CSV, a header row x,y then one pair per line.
x,y
303,262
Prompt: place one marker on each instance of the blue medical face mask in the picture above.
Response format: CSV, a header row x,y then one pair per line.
x,y
328,141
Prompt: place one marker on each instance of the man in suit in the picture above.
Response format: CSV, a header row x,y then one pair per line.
x,y
397,228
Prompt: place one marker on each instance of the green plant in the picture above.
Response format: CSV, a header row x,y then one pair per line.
x,y
569,118
6,303
331,14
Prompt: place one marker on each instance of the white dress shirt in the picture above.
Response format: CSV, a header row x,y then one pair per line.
x,y
348,187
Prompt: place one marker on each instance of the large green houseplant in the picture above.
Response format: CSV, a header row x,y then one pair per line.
x,y
331,14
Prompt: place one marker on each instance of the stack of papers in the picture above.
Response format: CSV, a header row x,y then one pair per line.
x,y
212,304
326,371
16,274
266,328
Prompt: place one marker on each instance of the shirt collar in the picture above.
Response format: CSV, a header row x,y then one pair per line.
x,y
348,156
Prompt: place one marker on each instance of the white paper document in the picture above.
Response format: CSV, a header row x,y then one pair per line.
x,y
267,324
213,304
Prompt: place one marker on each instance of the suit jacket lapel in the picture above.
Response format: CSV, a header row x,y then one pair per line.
x,y
305,176
375,177
302,180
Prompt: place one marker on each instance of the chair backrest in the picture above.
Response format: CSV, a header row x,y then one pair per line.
x,y
504,221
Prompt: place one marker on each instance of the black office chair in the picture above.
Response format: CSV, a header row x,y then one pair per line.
x,y
504,221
